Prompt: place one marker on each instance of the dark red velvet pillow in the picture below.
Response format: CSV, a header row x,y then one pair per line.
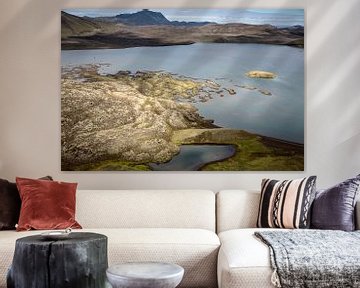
x,y
46,204
10,204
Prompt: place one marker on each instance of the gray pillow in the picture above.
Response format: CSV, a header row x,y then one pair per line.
x,y
334,208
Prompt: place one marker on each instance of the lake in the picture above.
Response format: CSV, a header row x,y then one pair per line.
x,y
280,115
193,157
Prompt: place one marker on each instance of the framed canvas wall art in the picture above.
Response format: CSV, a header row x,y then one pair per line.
x,y
182,89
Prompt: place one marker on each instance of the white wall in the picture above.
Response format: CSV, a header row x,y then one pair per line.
x,y
30,95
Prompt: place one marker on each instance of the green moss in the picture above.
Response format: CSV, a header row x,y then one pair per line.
x,y
253,152
253,155
111,165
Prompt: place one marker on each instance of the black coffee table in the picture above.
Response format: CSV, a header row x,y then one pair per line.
x,y
78,261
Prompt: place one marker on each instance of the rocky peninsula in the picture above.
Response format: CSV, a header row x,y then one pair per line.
x,y
127,117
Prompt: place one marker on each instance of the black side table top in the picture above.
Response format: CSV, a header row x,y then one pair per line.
x,y
72,238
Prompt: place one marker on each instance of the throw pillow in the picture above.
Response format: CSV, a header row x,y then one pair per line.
x,y
286,204
46,204
334,208
10,204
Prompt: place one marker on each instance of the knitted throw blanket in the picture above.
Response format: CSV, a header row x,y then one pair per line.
x,y
313,258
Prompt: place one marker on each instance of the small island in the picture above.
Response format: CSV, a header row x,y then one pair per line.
x,y
260,74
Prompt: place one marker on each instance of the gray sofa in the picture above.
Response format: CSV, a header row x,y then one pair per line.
x,y
210,235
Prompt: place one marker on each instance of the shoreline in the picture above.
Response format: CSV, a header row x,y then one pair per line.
x,y
277,143
157,116
71,47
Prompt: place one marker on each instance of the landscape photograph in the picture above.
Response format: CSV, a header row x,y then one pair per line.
x,y
182,89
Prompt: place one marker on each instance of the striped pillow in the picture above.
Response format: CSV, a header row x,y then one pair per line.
x,y
286,204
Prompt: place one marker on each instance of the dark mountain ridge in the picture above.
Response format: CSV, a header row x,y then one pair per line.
x,y
146,17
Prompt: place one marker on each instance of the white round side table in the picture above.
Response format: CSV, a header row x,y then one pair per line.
x,y
145,275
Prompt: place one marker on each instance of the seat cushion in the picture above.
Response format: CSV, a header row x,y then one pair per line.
x,y
196,250
244,261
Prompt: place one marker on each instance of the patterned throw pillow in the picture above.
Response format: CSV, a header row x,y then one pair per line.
x,y
286,204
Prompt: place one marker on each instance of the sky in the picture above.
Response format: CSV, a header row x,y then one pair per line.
x,y
276,17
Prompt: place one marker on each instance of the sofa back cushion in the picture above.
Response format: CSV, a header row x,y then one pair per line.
x,y
146,209
236,209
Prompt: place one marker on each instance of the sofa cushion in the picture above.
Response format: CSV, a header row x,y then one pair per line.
x,y
194,249
46,204
244,261
286,204
236,209
153,209
334,208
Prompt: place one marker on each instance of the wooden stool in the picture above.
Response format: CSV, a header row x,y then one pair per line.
x,y
78,261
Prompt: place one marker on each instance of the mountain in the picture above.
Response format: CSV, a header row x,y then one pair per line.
x,y
146,17
74,25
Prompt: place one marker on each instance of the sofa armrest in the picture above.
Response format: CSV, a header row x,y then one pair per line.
x,y
357,215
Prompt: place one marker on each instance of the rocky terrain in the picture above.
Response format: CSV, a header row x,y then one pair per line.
x,y
126,117
122,32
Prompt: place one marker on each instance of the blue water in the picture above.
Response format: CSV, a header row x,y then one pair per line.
x,y
280,115
193,157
